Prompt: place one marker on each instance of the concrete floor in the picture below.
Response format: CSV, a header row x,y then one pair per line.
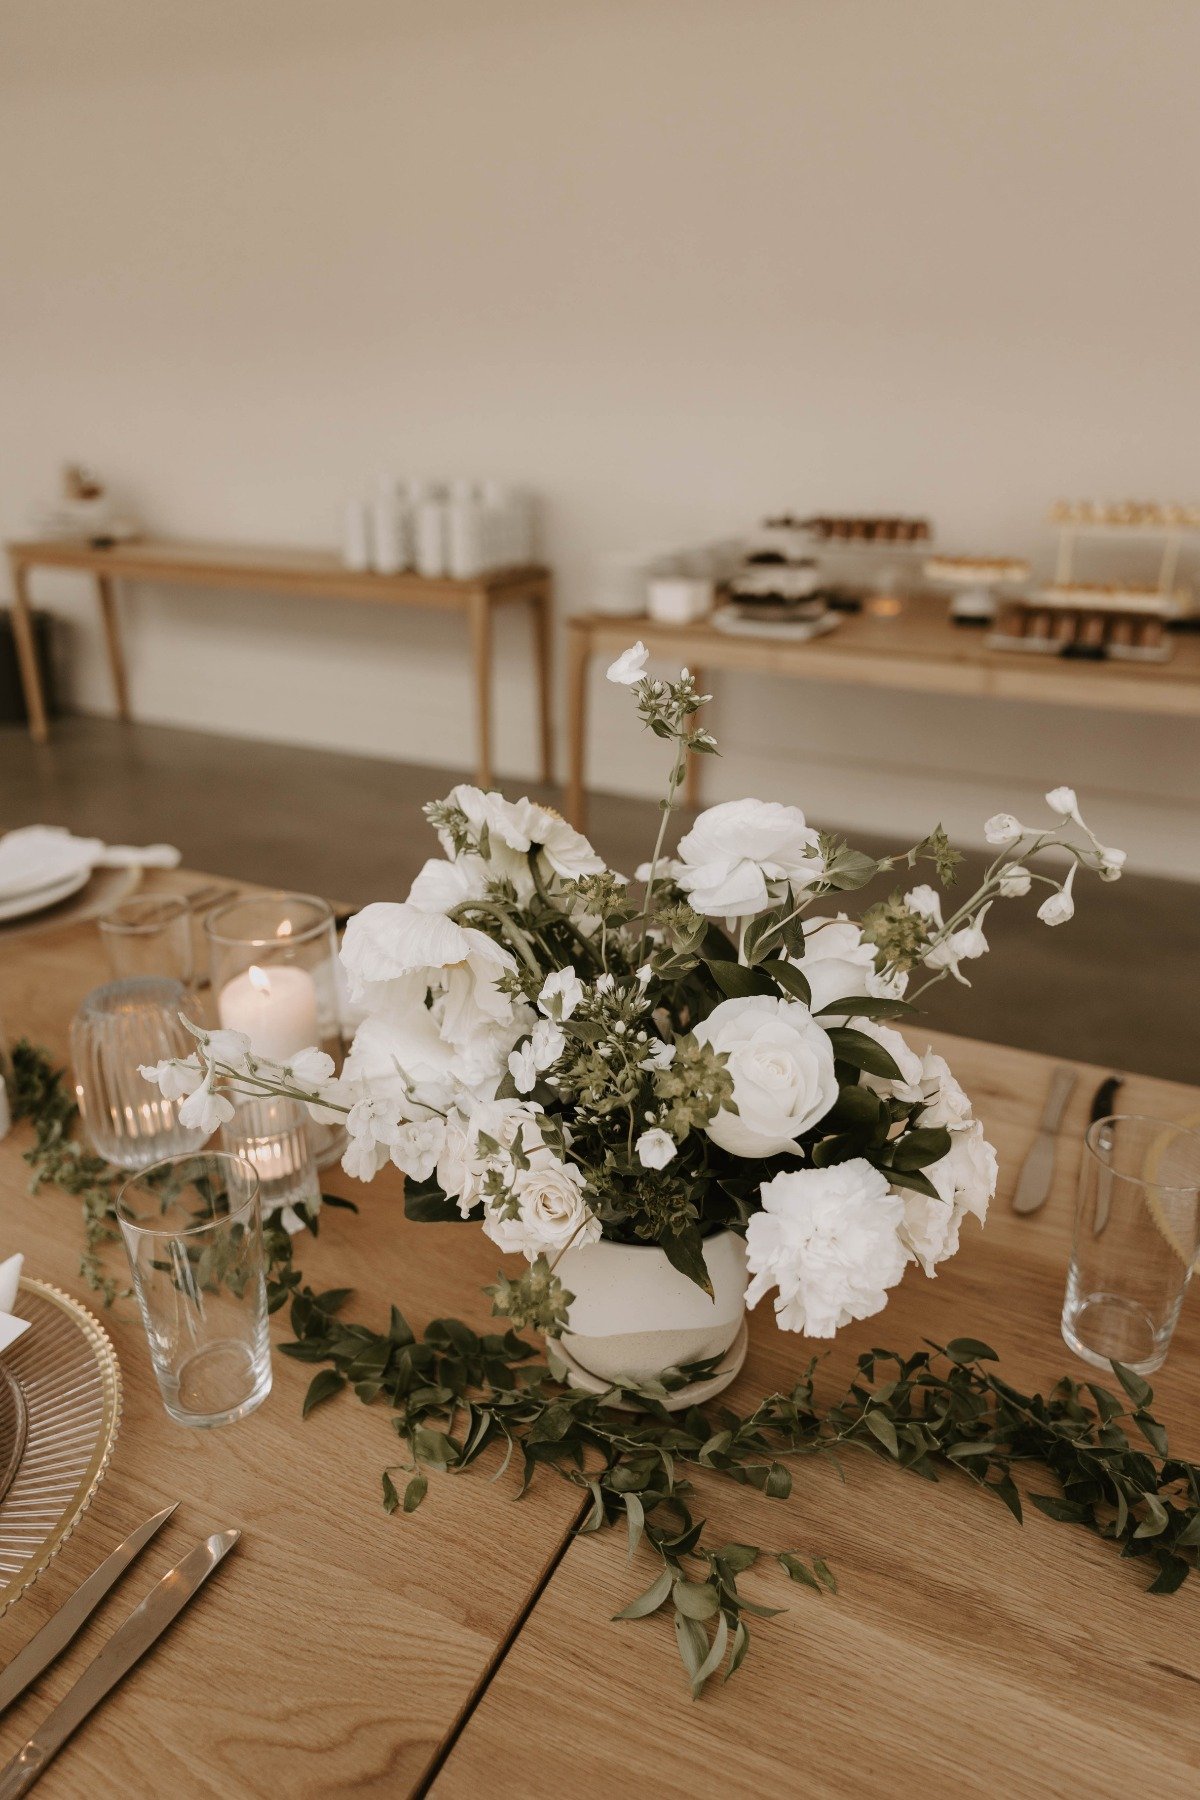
x,y
1119,985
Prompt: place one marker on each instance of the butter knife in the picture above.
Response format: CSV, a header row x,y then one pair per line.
x,y
128,1643
1037,1171
74,1613
1102,1105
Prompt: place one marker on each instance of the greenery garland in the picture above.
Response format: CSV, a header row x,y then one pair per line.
x,y
455,1393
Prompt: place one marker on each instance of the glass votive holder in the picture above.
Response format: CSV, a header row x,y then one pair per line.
x,y
1136,1242
193,1234
270,1133
117,1028
150,934
273,961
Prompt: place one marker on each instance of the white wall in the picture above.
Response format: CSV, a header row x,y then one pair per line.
x,y
670,262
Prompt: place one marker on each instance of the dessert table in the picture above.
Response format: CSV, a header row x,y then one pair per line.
x,y
467,1649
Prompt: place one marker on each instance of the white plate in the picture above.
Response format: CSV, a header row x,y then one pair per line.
x,y
40,856
24,904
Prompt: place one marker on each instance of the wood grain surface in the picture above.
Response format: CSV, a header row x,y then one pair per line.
x,y
339,1651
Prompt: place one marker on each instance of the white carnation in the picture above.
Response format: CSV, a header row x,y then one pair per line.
x,y
828,1240
965,1179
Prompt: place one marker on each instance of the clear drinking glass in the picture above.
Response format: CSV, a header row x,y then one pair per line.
x,y
150,934
118,1028
273,960
1137,1238
193,1233
270,1133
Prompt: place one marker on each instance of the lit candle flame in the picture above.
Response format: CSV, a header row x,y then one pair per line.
x,y
258,979
284,928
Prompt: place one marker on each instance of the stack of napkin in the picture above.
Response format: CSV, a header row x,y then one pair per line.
x,y
11,1327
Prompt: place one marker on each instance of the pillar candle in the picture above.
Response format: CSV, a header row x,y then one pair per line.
x,y
275,1007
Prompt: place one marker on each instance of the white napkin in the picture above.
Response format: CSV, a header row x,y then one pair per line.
x,y
37,856
11,1327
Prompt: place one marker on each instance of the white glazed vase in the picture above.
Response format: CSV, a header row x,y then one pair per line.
x,y
633,1314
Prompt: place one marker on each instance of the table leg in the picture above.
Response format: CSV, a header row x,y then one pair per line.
x,y
542,603
691,778
27,662
106,594
580,656
481,645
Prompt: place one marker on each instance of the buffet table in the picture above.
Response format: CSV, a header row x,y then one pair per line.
x,y
905,643
467,1649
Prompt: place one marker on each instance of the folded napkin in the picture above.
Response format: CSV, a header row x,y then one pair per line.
x,y
38,856
10,1326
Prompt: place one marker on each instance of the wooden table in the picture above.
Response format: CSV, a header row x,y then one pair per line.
x,y
301,574
468,1650
902,643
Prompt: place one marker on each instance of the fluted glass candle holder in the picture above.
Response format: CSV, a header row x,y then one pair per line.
x,y
273,961
118,1028
270,1133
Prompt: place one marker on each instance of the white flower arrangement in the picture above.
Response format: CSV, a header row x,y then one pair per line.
x,y
560,1057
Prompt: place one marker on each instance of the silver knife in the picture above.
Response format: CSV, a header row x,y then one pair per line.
x,y
1102,1105
74,1613
1037,1171
128,1643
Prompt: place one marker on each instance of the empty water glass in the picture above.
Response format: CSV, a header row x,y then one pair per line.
x,y
117,1029
270,1133
151,934
193,1233
1137,1238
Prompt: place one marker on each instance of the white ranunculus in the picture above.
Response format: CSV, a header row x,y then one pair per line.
x,y
1059,906
1015,882
175,1077
1002,828
561,993
742,855
417,1146
781,1064
552,1211
1063,801
965,1180
487,816
203,1110
828,1240
839,963
908,1087
945,1102
630,666
655,1148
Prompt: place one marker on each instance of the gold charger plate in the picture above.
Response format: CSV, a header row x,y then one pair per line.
x,y
68,1376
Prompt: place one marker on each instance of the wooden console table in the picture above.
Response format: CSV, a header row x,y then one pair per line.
x,y
314,574
912,644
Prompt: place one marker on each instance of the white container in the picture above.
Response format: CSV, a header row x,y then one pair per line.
x,y
465,539
633,1314
356,535
429,534
679,599
388,552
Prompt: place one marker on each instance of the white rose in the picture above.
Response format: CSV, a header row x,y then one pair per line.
x,y
655,1148
553,1212
828,1240
740,856
838,962
1059,907
965,1180
781,1064
630,666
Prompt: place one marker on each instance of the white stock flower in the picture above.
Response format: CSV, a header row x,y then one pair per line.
x,y
926,901
743,854
781,1065
828,1240
523,1068
1015,881
203,1110
310,1068
174,1077
1059,906
230,1047
552,1211
548,1043
417,1146
655,1148
961,946
1002,828
839,963
965,1179
630,666
1063,801
564,987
